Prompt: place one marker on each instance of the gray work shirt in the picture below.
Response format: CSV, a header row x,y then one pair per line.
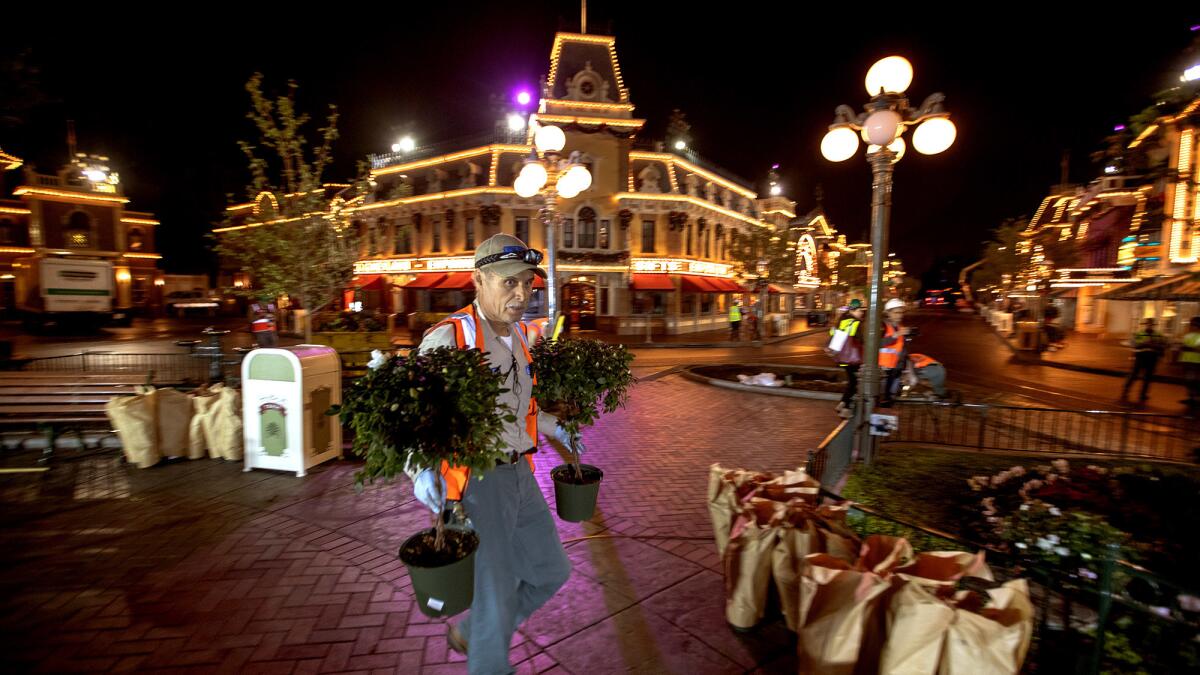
x,y
518,379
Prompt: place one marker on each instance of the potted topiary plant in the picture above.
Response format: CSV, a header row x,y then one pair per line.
x,y
576,380
411,413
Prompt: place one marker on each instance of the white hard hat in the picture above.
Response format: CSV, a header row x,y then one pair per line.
x,y
894,303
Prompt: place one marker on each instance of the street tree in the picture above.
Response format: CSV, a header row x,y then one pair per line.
x,y
302,244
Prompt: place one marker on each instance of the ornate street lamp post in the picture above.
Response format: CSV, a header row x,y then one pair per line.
x,y
547,172
882,124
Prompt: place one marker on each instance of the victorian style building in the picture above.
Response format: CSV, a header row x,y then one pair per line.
x,y
646,247
1133,239
80,212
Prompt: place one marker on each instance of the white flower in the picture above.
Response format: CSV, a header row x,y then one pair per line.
x,y
1024,507
1087,574
1052,538
1085,556
1054,511
1189,603
1044,544
1021,545
1062,550
377,359
1164,612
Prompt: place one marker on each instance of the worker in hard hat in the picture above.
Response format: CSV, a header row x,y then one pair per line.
x,y
891,347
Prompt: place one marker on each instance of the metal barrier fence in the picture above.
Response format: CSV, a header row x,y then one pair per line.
x,y
171,368
829,461
1115,434
159,369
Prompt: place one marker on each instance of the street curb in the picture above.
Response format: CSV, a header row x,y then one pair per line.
x,y
698,345
818,395
740,343
1038,361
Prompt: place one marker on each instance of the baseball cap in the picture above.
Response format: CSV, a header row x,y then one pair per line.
x,y
500,244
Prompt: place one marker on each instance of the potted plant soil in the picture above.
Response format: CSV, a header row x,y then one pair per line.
x,y
576,381
410,413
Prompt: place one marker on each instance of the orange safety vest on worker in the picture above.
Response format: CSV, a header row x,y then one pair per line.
x,y
889,356
921,360
468,335
535,329
264,317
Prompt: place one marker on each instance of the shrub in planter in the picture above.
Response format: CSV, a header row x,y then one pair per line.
x,y
411,413
576,381
353,335
351,322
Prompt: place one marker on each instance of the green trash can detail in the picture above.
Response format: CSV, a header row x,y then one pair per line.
x,y
273,428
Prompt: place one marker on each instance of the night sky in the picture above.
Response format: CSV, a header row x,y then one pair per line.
x,y
163,96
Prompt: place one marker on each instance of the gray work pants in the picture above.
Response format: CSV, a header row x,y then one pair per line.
x,y
519,566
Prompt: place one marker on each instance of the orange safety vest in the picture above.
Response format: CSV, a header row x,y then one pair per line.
x,y
266,315
534,330
466,336
921,360
889,357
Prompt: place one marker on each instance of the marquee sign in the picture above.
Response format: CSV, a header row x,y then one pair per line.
x,y
675,266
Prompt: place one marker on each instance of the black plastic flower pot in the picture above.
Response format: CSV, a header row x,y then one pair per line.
x,y
443,581
575,500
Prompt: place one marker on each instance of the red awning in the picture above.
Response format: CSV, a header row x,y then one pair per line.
x,y
725,285
455,281
369,282
691,283
651,282
428,280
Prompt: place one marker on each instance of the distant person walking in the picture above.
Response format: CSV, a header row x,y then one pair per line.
x,y
1189,358
1148,347
848,354
263,323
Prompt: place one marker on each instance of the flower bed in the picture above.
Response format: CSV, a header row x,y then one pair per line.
x,y
980,496
1058,521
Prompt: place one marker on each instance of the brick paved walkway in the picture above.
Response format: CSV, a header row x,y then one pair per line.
x,y
198,567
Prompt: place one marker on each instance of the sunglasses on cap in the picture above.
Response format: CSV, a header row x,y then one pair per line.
x,y
528,256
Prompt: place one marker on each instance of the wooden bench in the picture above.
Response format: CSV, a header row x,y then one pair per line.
x,y
53,405
91,390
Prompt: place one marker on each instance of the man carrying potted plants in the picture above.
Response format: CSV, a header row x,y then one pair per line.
x,y
520,563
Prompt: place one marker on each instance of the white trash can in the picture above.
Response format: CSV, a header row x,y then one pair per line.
x,y
285,393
